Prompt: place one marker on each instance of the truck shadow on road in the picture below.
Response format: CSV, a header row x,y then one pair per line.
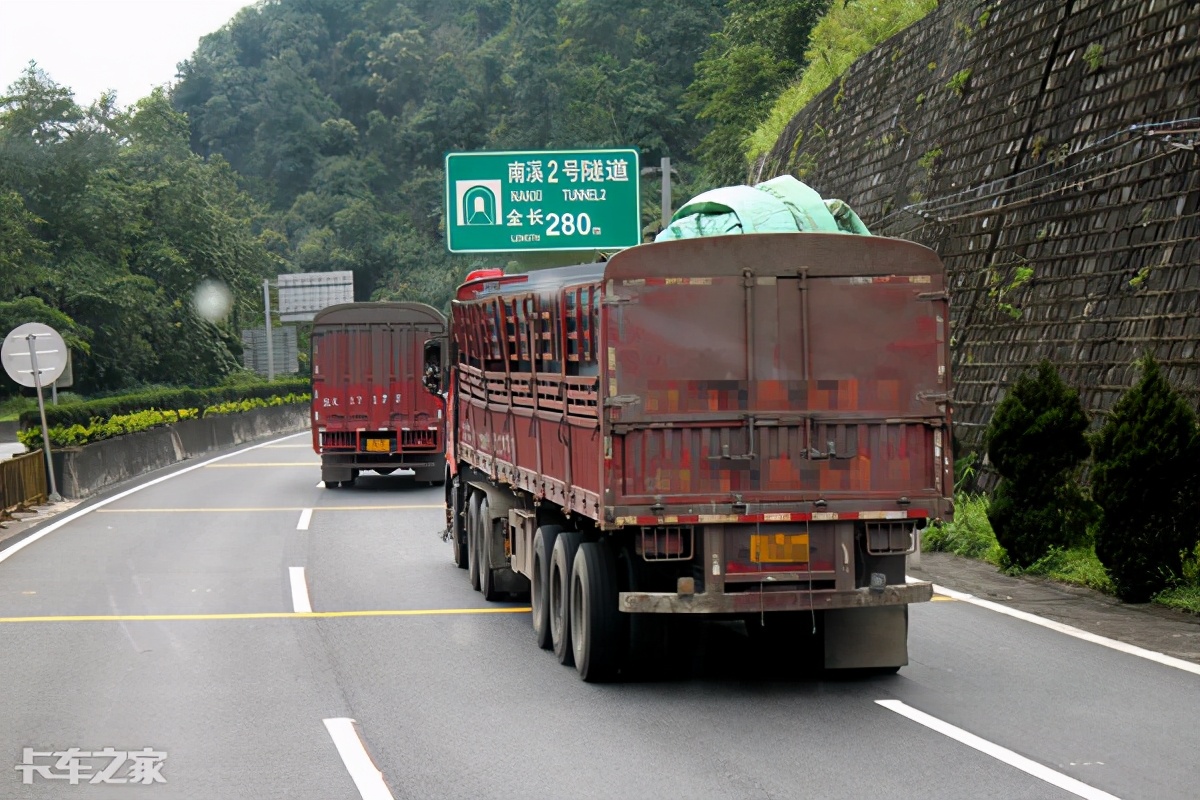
x,y
724,651
397,483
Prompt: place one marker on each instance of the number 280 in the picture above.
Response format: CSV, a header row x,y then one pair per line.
x,y
568,224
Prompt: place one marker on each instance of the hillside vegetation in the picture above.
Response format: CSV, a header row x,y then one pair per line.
x,y
309,135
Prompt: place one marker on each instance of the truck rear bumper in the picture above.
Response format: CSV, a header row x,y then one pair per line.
x,y
754,602
384,460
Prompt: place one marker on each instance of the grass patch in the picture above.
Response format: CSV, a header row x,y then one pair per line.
x,y
12,407
847,31
1077,566
969,535
1186,598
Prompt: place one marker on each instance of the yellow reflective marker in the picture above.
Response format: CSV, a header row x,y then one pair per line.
x,y
424,612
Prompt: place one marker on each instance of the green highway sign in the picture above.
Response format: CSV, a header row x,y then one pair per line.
x,y
500,202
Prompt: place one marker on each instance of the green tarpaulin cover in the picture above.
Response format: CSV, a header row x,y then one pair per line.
x,y
780,205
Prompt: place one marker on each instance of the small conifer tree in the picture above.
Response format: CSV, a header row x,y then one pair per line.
x,y
1144,478
1036,441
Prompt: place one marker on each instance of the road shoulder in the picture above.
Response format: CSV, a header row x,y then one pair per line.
x,y
1163,630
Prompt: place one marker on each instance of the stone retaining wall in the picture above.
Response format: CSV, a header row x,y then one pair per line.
x,y
1048,152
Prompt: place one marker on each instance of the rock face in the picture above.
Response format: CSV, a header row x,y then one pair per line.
x,y
1049,152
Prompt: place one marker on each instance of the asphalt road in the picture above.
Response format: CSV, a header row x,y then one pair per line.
x,y
166,619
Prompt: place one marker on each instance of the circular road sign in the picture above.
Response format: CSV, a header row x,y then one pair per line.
x,y
50,348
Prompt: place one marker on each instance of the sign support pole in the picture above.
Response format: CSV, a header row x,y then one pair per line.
x,y
267,317
55,497
665,165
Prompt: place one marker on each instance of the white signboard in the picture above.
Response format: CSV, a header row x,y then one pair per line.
x,y
29,343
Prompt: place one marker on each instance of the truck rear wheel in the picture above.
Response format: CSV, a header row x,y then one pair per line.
x,y
472,540
597,630
561,559
539,587
483,547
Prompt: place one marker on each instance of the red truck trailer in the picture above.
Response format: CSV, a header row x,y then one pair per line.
x,y
369,408
746,426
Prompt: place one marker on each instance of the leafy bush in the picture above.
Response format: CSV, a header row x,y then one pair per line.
x,y
77,435
1036,442
1146,464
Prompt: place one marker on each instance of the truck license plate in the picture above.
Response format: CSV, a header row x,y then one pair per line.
x,y
378,446
779,548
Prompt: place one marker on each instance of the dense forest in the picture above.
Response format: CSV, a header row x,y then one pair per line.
x,y
309,135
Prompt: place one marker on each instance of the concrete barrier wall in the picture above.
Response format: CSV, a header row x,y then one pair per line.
x,y
84,471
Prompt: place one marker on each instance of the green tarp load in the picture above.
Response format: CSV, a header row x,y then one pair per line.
x,y
780,205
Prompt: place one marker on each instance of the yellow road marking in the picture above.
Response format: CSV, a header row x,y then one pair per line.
x,y
941,598
281,446
270,615
227,465
263,508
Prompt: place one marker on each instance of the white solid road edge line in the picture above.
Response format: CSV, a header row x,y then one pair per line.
x,y
1040,771
53,526
362,769
300,601
305,518
1130,649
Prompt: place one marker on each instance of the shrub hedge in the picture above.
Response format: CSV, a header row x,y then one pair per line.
x,y
120,424
108,407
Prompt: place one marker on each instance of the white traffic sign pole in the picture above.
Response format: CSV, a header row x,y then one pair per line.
x,y
37,381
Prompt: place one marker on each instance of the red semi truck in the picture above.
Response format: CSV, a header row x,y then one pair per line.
x,y
748,426
369,408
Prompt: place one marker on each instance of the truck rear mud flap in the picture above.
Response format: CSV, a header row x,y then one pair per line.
x,y
754,602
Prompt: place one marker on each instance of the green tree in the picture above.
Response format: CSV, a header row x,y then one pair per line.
x,y
1144,477
112,222
1036,441
22,253
759,51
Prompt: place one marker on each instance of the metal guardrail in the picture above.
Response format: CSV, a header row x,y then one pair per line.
x,y
22,483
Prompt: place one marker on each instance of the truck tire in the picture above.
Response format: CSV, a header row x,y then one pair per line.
x,y
562,557
472,541
483,546
539,584
597,630
458,530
